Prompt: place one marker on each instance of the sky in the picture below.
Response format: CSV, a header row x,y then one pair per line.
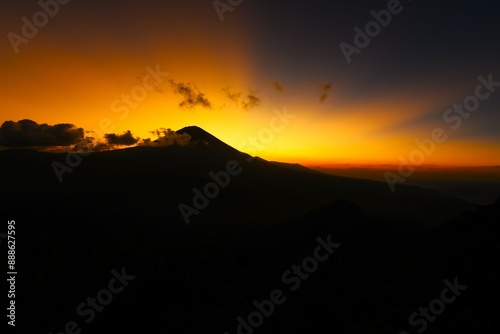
x,y
108,67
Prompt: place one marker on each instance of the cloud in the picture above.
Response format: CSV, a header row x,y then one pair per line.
x,y
26,133
191,95
167,137
325,88
232,95
251,101
90,144
111,141
279,87
126,139
247,102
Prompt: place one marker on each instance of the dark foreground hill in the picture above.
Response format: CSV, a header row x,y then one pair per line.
x,y
376,277
117,213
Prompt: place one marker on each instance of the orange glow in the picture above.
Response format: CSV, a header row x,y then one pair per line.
x,y
50,83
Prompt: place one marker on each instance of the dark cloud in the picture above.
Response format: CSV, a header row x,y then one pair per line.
x,y
26,133
191,95
126,139
111,141
251,101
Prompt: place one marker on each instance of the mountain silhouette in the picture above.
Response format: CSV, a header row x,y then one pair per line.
x,y
264,193
197,134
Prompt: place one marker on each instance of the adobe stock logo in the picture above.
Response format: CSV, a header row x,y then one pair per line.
x,y
455,117
29,30
436,306
211,190
221,7
97,304
222,179
122,105
293,278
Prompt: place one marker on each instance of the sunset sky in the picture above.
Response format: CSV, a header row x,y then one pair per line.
x,y
264,56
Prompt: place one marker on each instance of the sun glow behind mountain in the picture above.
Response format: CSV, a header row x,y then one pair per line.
x,y
238,74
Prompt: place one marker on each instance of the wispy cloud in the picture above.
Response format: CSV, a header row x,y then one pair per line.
x,y
246,101
191,95
251,101
167,137
278,86
232,94
325,89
